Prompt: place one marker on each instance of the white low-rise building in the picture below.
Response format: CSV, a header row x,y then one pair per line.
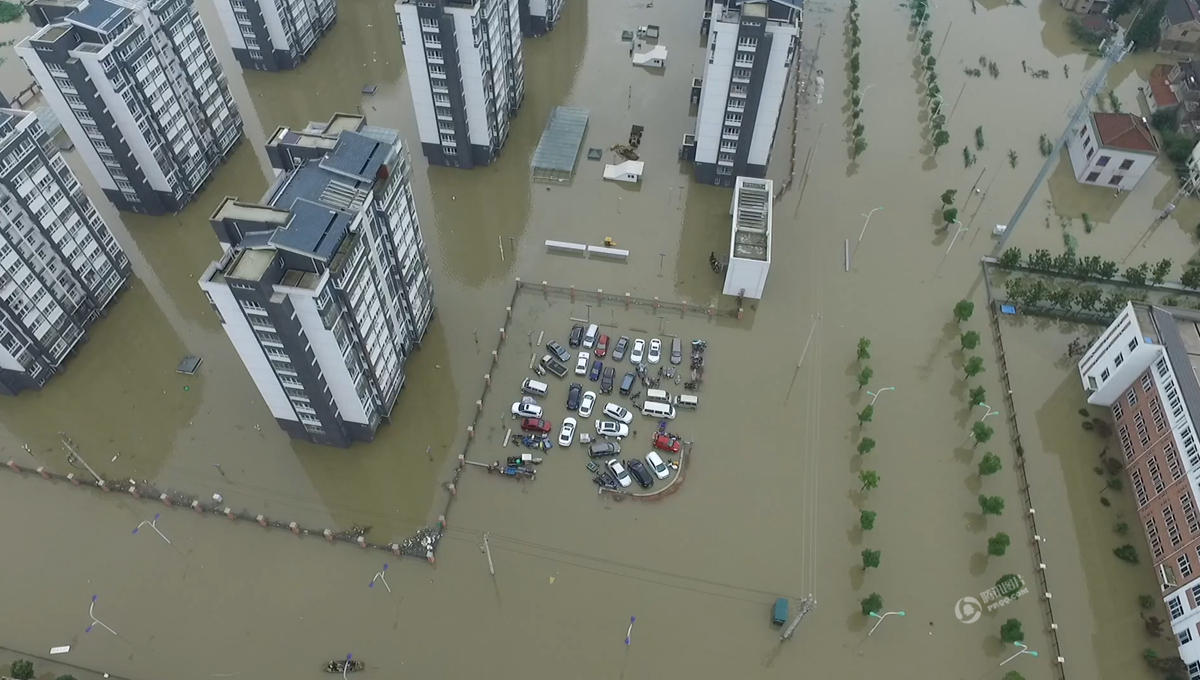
x,y
1112,150
750,240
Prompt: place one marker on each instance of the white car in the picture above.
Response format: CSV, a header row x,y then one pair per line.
x,y
637,353
608,428
581,364
524,409
567,434
618,413
657,465
586,404
619,472
655,351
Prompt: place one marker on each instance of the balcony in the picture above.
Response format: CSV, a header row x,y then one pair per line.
x,y
743,62
735,107
732,122
727,136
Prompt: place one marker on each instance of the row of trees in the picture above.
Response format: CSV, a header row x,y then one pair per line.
x,y
1068,263
858,132
868,479
1065,297
22,669
933,91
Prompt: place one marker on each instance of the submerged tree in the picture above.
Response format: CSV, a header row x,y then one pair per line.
x,y
864,376
869,479
871,603
977,395
991,505
1010,631
969,340
864,348
973,367
989,464
870,558
866,520
963,309
866,445
981,432
998,544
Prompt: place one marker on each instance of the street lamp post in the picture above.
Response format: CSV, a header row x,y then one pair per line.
x,y
988,412
958,233
96,621
153,524
875,395
883,616
867,221
1023,650
381,576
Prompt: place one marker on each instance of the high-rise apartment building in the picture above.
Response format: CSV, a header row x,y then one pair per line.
x,y
751,47
138,89
274,35
324,287
1143,367
466,71
539,16
59,265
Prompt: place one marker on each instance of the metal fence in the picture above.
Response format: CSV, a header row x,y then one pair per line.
x,y
599,297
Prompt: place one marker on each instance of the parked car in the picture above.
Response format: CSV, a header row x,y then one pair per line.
x,y
638,352
640,473
586,404
576,337
656,464
581,363
526,410
597,367
627,382
665,443
551,364
573,393
618,413
535,425
567,434
608,428
590,335
618,352
676,350
602,346
600,449
619,472
606,379
655,352
558,351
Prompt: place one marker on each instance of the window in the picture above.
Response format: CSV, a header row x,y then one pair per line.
x,y
1133,346
1146,384
1090,153
1093,176
1157,479
1082,131
1104,374
1152,534
1185,565
1175,607
1103,160
1118,360
1172,527
1172,457
1132,395
1118,412
1139,422
1161,367
1185,635
1139,488
1189,512
1126,164
1116,179
1126,442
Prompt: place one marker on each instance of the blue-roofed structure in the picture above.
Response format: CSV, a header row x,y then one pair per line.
x,y
100,16
356,155
314,230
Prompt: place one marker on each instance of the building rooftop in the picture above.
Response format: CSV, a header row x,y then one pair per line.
x,y
233,209
292,137
1178,330
250,264
1179,11
314,230
752,219
356,155
558,149
99,15
1160,86
1124,131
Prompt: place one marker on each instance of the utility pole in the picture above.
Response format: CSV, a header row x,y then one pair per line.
x,y
488,550
73,453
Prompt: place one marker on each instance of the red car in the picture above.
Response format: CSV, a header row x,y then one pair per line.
x,y
663,442
602,346
537,425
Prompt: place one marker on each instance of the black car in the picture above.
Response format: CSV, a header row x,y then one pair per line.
x,y
606,379
618,352
638,469
627,382
573,395
597,367
576,338
601,449
559,351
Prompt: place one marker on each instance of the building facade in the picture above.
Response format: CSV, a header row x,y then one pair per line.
x,y
139,91
275,35
60,267
466,71
1084,6
751,46
1179,29
1112,150
539,16
750,238
324,286
1143,368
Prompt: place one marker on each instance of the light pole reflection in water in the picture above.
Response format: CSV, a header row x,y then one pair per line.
x,y
380,576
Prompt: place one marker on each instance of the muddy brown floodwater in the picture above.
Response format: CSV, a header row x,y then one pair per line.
x,y
771,504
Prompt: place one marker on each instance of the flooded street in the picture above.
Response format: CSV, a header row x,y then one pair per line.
x,y
771,503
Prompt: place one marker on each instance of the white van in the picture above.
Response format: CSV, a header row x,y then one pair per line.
x,y
687,401
657,409
659,395
589,338
534,387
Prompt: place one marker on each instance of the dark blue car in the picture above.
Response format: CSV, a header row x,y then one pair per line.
x,y
597,367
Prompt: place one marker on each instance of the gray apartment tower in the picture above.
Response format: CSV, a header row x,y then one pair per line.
x,y
539,16
275,35
324,287
466,71
59,265
138,89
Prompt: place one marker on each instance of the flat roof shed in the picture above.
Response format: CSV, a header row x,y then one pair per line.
x,y
556,153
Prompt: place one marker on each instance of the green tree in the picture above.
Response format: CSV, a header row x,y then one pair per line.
x,y
1011,631
940,138
1118,8
860,145
930,63
865,415
963,309
989,464
1013,675
979,137
864,376
866,445
871,603
1145,602
991,505
1144,32
1108,269
870,558
1191,278
973,367
864,348
978,395
869,479
926,48
866,520
1010,258
948,196
1137,275
950,215
1062,296
1088,298
1127,553
981,432
1160,271
969,340
998,544
21,669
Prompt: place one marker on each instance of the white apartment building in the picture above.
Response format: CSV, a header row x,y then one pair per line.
x,y
274,35
324,287
1112,150
138,89
750,238
751,47
59,265
1143,367
466,71
539,16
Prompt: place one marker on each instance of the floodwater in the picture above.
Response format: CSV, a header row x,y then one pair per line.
x,y
770,506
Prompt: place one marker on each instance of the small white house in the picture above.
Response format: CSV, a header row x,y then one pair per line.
x,y
629,171
655,58
750,240
1112,150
